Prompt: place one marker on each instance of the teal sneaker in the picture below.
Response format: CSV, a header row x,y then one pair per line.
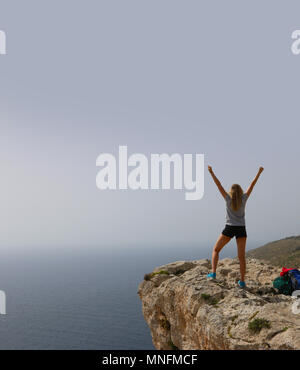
x,y
241,284
212,275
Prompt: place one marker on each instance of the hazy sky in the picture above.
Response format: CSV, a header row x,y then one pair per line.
x,y
83,77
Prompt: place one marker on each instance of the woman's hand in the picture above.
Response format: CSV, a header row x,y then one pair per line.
x,y
249,190
217,182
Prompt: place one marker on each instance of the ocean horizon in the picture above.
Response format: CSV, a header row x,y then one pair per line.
x,y
85,299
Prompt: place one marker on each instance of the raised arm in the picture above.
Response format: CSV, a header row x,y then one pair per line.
x,y
217,182
249,190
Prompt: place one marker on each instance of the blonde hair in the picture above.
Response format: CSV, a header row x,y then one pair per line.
x,y
235,194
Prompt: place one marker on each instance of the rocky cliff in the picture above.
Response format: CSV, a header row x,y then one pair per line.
x,y
185,311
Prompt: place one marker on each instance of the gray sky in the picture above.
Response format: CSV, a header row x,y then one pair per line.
x,y
83,77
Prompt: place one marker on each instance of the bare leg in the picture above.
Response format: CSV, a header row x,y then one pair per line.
x,y
220,243
241,246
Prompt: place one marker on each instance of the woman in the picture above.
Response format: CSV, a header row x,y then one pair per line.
x,y
235,224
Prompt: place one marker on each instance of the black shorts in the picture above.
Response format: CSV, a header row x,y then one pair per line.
x,y
237,231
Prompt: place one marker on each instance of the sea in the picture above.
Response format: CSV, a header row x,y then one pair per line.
x,y
83,299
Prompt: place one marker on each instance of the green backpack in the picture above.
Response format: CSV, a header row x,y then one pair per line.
x,y
283,285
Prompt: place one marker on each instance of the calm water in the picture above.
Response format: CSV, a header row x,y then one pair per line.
x,y
79,300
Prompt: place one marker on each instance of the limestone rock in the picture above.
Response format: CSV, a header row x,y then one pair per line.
x,y
184,310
